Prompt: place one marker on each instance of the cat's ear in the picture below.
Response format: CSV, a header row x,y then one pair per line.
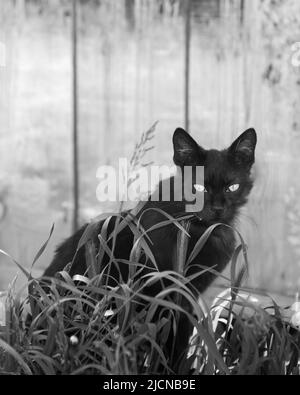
x,y
186,151
242,150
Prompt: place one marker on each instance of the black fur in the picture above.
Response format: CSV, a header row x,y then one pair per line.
x,y
221,169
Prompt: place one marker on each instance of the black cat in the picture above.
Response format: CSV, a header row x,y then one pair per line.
x,y
227,183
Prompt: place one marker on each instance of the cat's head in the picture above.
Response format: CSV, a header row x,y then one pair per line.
x,y
227,179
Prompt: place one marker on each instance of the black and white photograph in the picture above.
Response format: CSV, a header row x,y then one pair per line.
x,y
149,190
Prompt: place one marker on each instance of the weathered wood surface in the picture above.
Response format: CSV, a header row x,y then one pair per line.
x,y
131,73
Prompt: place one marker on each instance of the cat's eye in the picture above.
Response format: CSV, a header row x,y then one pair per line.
x,y
233,188
200,188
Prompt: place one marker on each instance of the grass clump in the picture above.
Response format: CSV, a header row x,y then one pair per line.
x,y
87,324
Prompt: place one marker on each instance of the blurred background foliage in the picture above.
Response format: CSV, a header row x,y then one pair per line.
x,y
131,72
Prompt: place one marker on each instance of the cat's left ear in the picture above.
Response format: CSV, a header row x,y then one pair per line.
x,y
242,150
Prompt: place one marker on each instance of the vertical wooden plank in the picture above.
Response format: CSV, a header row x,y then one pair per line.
x,y
36,136
187,64
75,118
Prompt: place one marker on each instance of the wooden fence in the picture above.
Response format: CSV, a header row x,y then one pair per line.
x,y
217,66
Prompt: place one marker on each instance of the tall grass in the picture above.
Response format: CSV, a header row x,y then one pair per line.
x,y
86,324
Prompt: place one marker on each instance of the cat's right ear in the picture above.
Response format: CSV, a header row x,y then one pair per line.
x,y
186,150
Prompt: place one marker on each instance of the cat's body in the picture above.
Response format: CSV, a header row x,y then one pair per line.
x,y
227,184
216,252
